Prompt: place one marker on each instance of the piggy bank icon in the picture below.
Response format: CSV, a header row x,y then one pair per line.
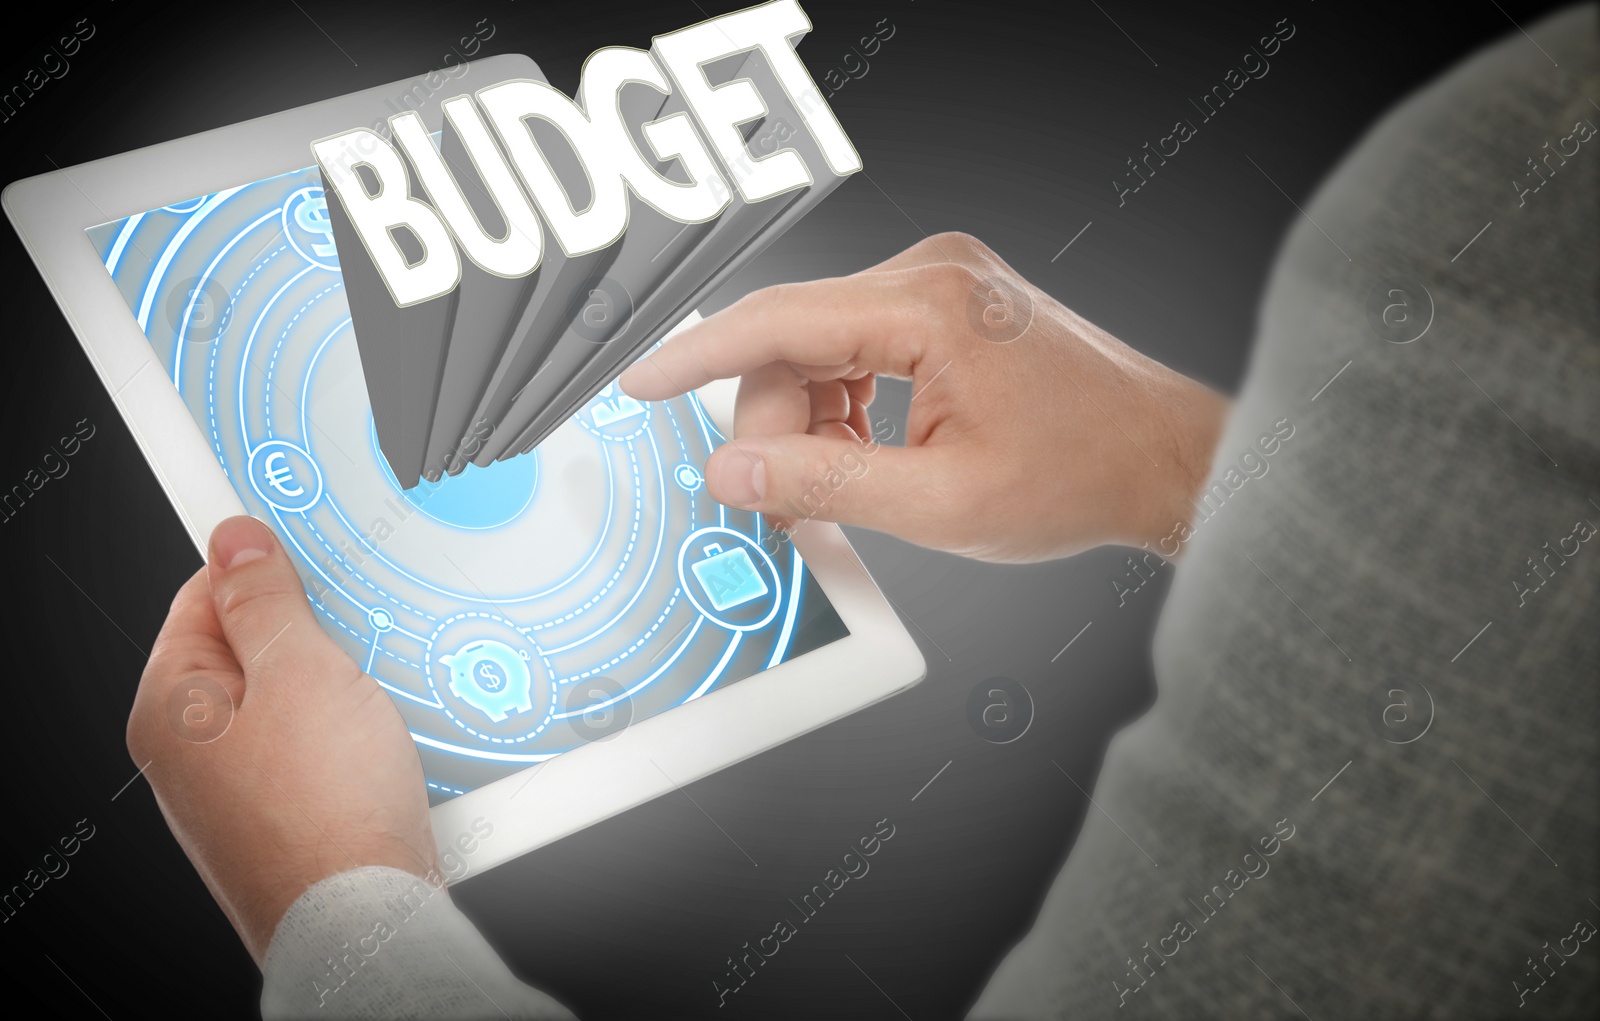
x,y
491,677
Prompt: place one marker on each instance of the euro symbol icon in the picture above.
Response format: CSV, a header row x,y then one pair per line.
x,y
312,216
280,476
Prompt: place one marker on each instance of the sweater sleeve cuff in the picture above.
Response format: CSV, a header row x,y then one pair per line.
x,y
379,942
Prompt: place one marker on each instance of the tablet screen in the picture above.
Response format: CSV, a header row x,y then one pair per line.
x,y
513,612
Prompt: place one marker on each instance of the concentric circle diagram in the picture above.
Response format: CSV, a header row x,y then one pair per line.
x,y
483,602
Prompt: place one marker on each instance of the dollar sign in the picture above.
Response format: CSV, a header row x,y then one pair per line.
x,y
491,679
312,216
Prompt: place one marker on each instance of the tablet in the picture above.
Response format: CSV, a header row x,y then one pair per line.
x,y
567,633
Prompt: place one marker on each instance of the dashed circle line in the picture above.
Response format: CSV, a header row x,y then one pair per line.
x,y
211,368
356,573
632,543
630,650
319,604
277,348
627,554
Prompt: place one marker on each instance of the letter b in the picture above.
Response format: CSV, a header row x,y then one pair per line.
x,y
376,215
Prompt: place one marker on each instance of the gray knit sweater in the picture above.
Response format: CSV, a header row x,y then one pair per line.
x,y
1420,548
1368,787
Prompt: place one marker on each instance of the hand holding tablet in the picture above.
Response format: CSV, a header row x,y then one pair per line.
x,y
564,634
803,392
567,634
244,699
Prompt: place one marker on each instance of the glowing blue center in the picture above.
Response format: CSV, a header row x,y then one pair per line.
x,y
478,498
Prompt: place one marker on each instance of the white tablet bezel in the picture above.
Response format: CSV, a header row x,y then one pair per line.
x,y
578,788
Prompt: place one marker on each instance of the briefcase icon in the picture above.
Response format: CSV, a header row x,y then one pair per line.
x,y
612,406
729,578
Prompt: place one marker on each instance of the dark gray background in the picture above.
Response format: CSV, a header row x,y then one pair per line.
x,y
1008,125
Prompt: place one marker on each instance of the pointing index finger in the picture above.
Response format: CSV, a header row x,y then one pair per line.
x,y
877,322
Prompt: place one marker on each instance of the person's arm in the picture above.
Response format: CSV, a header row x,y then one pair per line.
x,y
1032,433
290,781
380,942
288,776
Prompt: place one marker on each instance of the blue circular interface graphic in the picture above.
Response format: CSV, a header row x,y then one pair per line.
x,y
689,477
505,608
484,497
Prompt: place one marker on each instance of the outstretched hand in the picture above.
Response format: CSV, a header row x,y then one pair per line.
x,y
1032,433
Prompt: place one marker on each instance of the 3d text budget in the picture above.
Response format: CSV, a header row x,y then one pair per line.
x,y
493,127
